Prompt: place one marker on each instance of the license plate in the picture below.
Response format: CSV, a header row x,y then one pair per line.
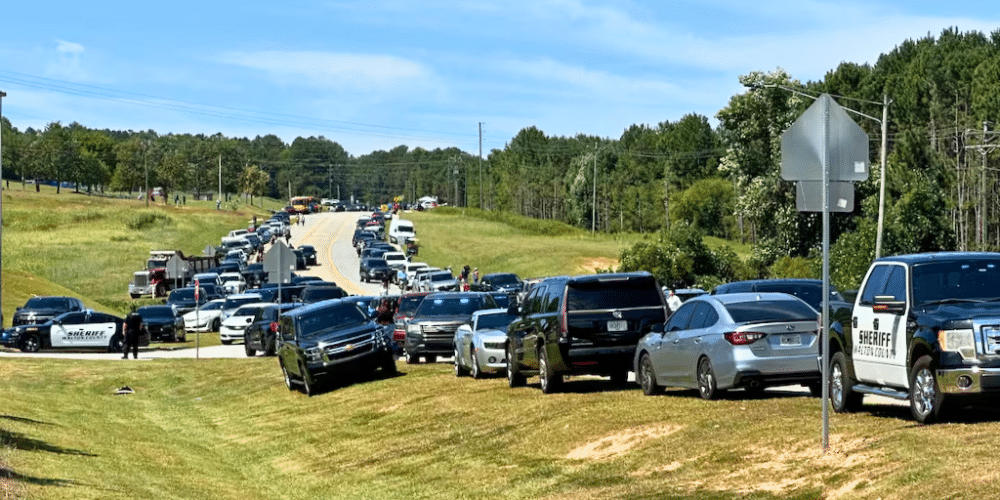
x,y
791,340
619,325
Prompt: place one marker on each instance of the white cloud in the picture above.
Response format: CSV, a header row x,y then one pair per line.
x,y
67,62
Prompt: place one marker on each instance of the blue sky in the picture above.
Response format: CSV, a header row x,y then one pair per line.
x,y
374,75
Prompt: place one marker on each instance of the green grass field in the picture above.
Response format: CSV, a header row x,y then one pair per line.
x,y
228,428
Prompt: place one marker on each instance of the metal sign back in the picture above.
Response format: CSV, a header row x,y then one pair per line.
x,y
809,196
279,262
824,131
176,267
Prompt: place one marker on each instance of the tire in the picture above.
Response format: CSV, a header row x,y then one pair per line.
x,y
647,376
184,337
226,341
707,387
476,372
926,398
459,370
308,385
550,381
270,347
136,295
31,343
412,359
287,376
116,344
431,359
174,337
514,377
842,398
216,324
250,351
160,290
389,365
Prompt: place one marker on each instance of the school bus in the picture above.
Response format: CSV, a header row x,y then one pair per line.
x,y
303,204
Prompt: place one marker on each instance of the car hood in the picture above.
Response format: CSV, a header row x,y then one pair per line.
x,y
457,318
491,335
333,336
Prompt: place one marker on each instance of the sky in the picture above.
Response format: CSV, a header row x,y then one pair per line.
x,y
375,75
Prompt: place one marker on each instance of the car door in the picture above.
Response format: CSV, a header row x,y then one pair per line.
x,y
665,358
71,330
524,330
879,337
696,340
288,346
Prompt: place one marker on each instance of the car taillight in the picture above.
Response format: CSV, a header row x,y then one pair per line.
x,y
743,338
274,327
563,321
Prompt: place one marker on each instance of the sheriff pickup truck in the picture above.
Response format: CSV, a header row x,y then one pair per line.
x,y
924,328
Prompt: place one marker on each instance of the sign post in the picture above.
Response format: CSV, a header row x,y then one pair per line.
x,y
197,319
825,151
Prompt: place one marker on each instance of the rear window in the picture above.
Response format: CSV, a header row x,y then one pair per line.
x,y
409,304
495,321
765,311
46,302
613,294
247,311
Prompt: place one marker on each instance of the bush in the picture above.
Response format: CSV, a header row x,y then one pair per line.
x,y
146,219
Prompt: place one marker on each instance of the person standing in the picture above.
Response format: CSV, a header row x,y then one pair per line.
x,y
673,301
133,329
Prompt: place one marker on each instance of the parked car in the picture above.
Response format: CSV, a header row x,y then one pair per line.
x,y
72,329
373,270
407,304
441,281
396,260
322,340
309,253
317,293
809,290
743,340
233,282
261,333
206,319
431,331
183,299
163,323
233,302
500,282
479,344
38,310
234,327
585,325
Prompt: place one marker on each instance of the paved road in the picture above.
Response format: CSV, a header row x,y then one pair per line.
x,y
337,261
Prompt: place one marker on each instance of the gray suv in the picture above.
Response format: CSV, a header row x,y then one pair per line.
x,y
585,325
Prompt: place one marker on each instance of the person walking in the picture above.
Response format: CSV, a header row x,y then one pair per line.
x,y
133,329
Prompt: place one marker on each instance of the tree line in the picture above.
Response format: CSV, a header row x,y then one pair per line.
x,y
672,179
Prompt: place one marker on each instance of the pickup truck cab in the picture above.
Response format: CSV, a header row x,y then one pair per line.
x,y
924,327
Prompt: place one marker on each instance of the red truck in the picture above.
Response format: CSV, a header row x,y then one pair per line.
x,y
154,280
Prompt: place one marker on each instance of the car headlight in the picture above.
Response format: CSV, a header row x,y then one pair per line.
x,y
414,329
314,355
961,341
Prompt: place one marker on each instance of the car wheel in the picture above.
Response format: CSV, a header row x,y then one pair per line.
x,y
287,376
174,337
160,291
459,370
842,398
389,365
647,376
216,323
474,361
550,381
926,398
184,337
514,377
250,351
271,348
31,343
117,342
225,341
706,380
308,385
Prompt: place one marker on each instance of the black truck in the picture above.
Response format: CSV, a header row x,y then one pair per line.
x,y
924,328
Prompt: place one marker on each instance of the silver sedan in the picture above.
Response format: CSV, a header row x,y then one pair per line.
x,y
479,344
743,340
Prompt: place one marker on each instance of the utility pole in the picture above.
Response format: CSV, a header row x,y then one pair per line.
x,y
2,95
881,188
220,177
593,209
984,151
145,168
480,165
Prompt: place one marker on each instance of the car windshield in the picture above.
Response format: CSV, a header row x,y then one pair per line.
x,y
450,306
336,317
494,321
234,302
213,306
971,280
593,295
504,279
767,311
46,302
247,311
441,277
409,304
181,294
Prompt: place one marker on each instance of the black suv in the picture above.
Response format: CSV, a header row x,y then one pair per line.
x,y
374,270
38,310
586,325
262,331
322,340
431,331
809,290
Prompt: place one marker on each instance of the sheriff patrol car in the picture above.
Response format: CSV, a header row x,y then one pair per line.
x,y
68,330
924,327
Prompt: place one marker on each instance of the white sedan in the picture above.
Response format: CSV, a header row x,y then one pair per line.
x,y
479,344
206,319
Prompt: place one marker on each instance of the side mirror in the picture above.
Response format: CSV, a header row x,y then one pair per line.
x,y
513,310
654,328
888,304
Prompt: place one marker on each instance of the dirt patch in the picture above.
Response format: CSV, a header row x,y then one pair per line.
x,y
598,264
620,443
